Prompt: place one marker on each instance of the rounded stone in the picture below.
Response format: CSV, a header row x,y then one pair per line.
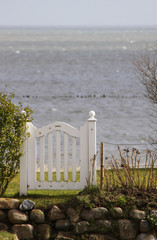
x,y
117,212
15,216
7,203
105,225
55,214
73,215
3,227
23,231
127,229
66,236
27,205
99,212
37,216
137,214
144,226
82,227
150,237
95,213
44,231
62,225
141,236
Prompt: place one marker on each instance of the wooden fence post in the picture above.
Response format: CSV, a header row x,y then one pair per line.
x,y
23,167
102,166
92,147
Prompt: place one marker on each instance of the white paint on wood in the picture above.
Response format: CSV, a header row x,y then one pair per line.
x,y
84,155
31,154
87,136
74,159
58,126
50,154
58,156
42,158
57,185
65,157
92,146
23,169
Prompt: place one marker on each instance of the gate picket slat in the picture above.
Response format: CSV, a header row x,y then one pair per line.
x,y
58,156
65,157
42,158
74,159
50,154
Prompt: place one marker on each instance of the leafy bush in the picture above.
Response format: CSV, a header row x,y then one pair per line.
x,y
12,135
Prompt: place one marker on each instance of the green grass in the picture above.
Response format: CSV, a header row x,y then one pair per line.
x,y
62,176
6,236
47,198
42,198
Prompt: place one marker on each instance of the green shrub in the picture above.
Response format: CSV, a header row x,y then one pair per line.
x,y
12,135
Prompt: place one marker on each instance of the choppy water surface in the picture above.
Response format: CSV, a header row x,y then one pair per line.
x,y
64,73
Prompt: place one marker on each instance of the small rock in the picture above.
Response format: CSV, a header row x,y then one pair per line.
x,y
82,227
73,215
150,237
106,237
127,229
144,236
37,216
65,236
62,225
95,213
117,212
96,237
15,216
3,227
27,205
100,237
23,231
87,215
99,212
103,225
44,231
137,214
7,203
141,236
144,226
55,214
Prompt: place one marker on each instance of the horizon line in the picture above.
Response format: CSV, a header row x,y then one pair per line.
x,y
78,26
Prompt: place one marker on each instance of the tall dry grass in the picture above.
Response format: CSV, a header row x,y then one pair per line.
x,y
128,174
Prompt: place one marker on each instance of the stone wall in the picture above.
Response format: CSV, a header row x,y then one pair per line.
x,y
96,224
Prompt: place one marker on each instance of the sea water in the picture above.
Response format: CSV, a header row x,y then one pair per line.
x,y
63,73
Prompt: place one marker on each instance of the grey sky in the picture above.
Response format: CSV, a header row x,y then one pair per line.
x,y
78,12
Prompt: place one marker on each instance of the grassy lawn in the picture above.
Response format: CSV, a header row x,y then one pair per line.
x,y
7,236
42,198
47,198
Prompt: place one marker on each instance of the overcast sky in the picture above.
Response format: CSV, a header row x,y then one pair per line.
x,y
78,12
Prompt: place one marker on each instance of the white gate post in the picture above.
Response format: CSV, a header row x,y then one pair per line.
x,y
31,156
23,168
92,147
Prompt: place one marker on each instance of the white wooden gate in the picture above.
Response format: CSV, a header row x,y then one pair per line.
x,y
54,152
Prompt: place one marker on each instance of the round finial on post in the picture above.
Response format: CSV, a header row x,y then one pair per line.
x,y
92,116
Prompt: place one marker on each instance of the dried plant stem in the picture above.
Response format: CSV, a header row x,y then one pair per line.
x,y
130,177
